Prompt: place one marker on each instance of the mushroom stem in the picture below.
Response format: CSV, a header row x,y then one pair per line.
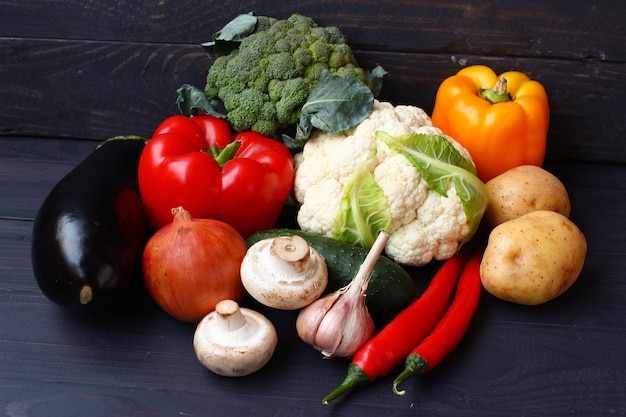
x,y
230,317
291,250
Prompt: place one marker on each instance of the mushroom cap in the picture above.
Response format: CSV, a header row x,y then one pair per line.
x,y
284,272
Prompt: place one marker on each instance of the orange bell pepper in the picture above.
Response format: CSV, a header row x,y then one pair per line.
x,y
501,120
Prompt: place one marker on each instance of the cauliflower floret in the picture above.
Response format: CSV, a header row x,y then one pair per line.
x,y
323,159
319,215
404,188
424,224
435,233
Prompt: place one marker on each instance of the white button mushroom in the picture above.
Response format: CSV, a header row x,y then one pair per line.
x,y
234,341
284,272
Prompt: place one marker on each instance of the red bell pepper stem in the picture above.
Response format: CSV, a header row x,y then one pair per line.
x,y
224,155
393,343
448,333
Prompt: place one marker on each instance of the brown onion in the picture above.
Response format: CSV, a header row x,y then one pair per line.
x,y
192,264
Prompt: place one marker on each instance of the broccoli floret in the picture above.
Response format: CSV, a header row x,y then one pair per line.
x,y
351,70
335,35
264,23
314,71
282,66
303,57
301,21
340,56
290,95
264,83
246,107
266,123
321,50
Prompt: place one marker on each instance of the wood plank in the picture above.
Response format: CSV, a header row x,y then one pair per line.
x,y
96,90
503,28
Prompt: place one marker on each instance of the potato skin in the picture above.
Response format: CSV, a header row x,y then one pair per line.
x,y
524,189
534,258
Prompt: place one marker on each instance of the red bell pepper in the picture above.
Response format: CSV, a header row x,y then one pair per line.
x,y
241,179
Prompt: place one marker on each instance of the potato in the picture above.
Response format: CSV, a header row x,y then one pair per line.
x,y
534,258
524,189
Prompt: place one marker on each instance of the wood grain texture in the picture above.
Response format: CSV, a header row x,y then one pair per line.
x,y
536,28
112,89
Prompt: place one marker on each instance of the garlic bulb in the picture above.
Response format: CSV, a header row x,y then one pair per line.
x,y
338,324
284,272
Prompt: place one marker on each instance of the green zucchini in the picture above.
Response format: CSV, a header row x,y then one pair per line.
x,y
391,288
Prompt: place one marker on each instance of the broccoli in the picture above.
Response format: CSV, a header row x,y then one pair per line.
x,y
266,80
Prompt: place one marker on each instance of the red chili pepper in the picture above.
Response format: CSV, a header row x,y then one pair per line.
x,y
393,343
242,179
448,333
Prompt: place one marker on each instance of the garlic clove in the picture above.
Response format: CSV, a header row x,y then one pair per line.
x,y
310,318
284,272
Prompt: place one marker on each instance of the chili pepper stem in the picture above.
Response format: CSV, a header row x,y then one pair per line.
x,y
413,365
355,378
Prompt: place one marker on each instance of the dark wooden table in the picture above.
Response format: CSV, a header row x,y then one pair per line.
x,y
74,73
563,358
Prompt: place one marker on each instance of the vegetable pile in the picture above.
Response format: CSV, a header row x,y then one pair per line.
x,y
193,215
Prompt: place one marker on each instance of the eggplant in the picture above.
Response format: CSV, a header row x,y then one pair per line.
x,y
89,234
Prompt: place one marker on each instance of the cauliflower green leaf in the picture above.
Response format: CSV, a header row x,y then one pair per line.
x,y
438,163
363,210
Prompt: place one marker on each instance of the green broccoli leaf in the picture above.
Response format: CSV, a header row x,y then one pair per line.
x,y
192,100
363,211
230,36
438,163
375,78
335,104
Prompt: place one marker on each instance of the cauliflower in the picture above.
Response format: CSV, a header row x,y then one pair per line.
x,y
396,172
265,82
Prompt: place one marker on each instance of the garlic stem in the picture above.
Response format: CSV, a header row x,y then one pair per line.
x,y
362,278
